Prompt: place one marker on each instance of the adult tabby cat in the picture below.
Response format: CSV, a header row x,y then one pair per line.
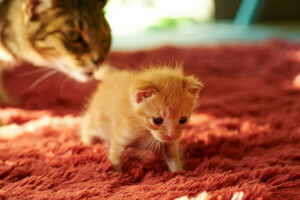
x,y
70,35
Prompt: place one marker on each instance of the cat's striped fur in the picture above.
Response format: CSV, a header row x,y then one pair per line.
x,y
70,35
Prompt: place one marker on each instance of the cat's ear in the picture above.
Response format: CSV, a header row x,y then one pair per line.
x,y
142,94
104,2
33,8
193,86
101,4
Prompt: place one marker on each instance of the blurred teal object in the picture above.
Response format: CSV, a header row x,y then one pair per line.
x,y
248,12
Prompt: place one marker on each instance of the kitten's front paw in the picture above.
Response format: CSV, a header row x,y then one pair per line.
x,y
86,140
176,168
174,165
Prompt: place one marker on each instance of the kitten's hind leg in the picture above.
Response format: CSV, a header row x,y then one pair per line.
x,y
91,130
172,157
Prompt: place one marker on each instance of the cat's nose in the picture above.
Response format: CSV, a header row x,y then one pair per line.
x,y
89,74
98,61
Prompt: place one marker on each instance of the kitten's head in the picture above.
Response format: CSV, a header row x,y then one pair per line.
x,y
72,35
163,99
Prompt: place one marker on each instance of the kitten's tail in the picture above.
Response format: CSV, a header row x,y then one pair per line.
x,y
104,70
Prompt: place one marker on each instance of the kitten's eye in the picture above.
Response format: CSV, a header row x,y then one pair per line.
x,y
73,36
158,120
183,120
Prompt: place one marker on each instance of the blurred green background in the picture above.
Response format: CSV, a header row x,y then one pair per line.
x,y
151,23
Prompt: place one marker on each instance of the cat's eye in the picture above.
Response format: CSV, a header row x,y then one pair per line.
x,y
158,120
183,120
73,36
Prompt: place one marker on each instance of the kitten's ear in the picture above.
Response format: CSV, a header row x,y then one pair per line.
x,y
142,94
33,7
193,86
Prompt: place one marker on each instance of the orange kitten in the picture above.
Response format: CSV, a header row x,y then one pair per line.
x,y
154,103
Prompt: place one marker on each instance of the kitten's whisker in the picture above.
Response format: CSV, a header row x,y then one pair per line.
x,y
182,146
157,143
146,144
201,100
150,147
45,76
146,147
185,147
198,103
160,146
154,147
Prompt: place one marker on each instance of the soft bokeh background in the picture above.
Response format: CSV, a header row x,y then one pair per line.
x,y
150,23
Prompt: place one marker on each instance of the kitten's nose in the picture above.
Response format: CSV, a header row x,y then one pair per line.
x,y
170,136
98,61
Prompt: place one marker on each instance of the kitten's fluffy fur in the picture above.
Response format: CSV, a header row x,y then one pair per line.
x,y
123,108
70,35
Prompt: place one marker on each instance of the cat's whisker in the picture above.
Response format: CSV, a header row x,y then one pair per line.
x,y
42,78
33,72
64,82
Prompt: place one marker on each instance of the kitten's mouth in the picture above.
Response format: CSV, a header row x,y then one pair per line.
x,y
166,140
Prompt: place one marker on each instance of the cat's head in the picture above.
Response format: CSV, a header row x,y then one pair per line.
x,y
164,100
71,35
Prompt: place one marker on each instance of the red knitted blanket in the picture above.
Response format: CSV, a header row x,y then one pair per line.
x,y
243,142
